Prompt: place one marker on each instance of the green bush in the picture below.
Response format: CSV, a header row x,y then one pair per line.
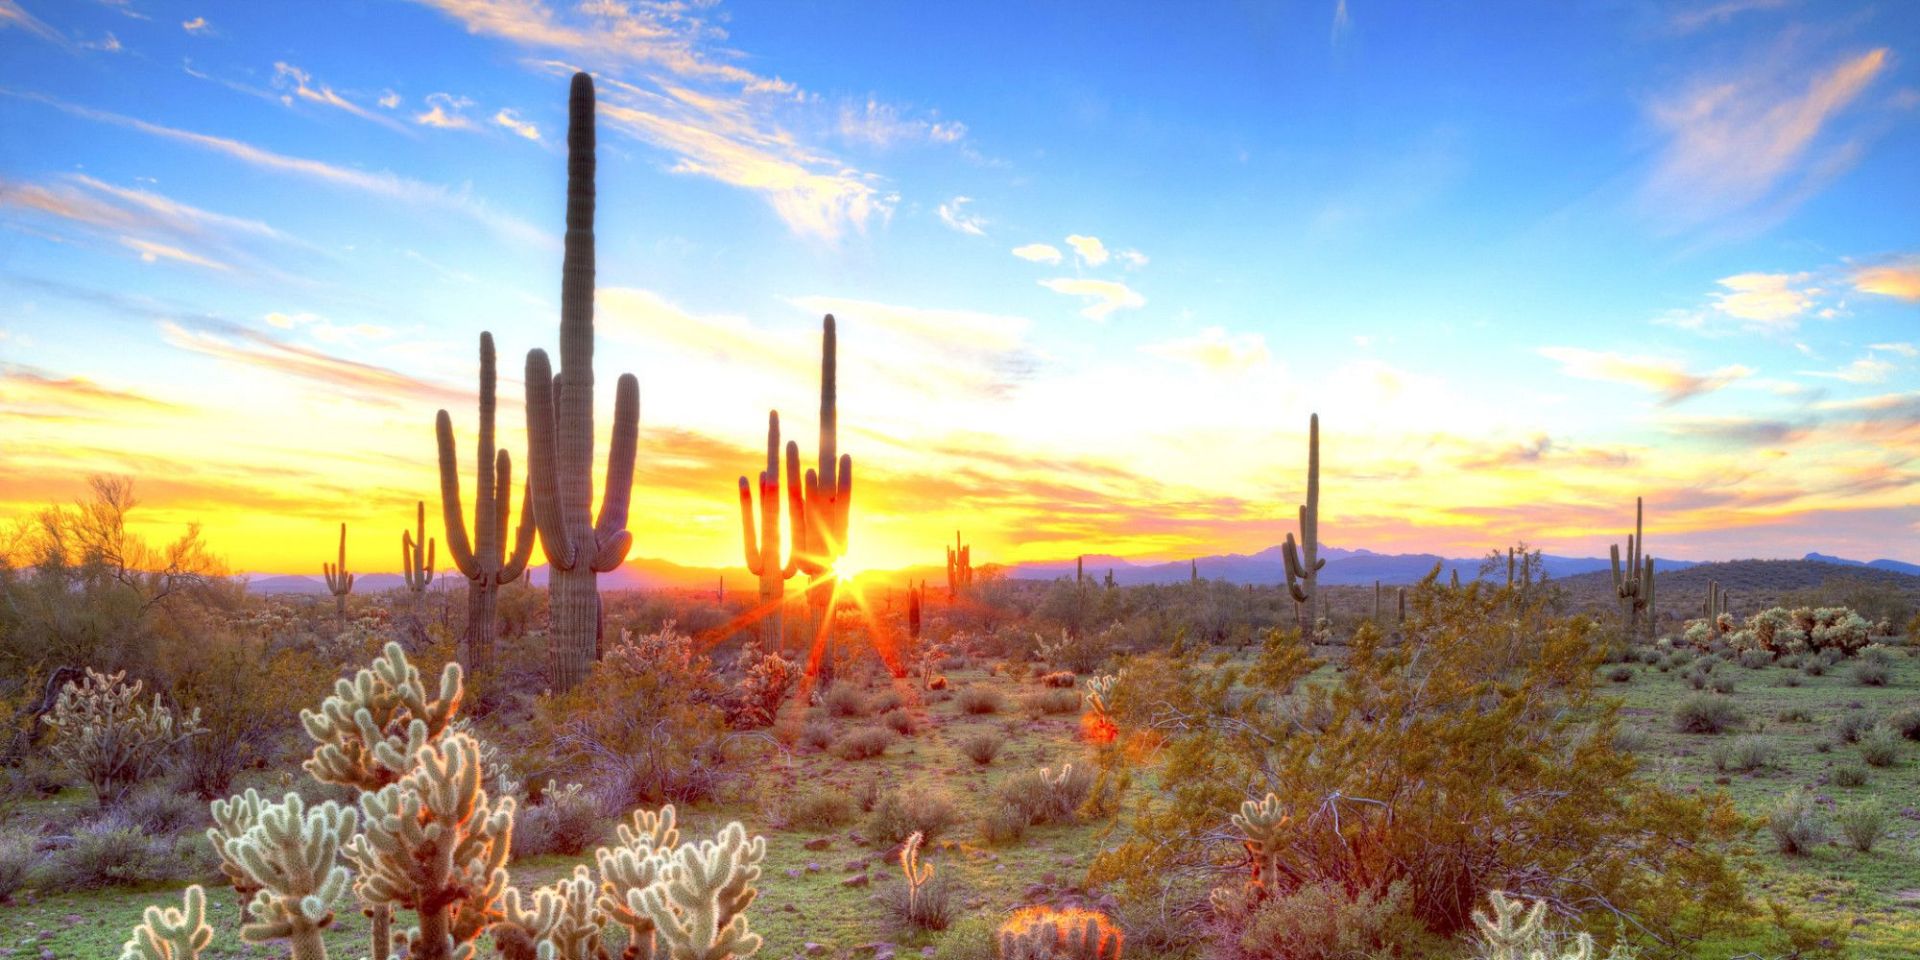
x,y
899,721
567,820
1620,673
1054,702
886,699
845,700
1796,824
1706,713
933,909
1850,726
900,813
1906,722
820,808
1850,774
1756,659
1048,796
982,746
18,864
1863,824
1003,823
163,810
980,700
1323,922
1880,747
970,939
1869,674
112,852
864,742
1744,754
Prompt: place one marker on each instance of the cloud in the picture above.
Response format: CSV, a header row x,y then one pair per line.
x,y
508,119
1089,249
1105,296
1907,350
1038,253
1132,259
13,15
444,112
1669,378
111,44
31,391
325,331
287,76
152,226
1769,300
353,379
1541,449
1738,431
196,26
882,125
1900,278
953,216
1734,142
152,252
1214,351
390,100
381,184
1342,23
1717,13
1868,369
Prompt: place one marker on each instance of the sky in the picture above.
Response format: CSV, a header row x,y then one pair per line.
x,y
1093,266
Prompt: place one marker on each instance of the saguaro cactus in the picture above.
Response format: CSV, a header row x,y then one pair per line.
x,y
1303,560
1634,586
560,432
339,581
913,609
484,560
959,567
416,555
828,499
763,550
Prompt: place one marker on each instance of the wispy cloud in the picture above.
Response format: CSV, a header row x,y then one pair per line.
x,y
1132,259
1901,279
298,84
389,185
510,120
1089,250
1668,378
1342,23
152,226
444,111
1103,296
152,252
1769,301
365,382
1038,253
106,44
1734,142
1717,12
953,216
1215,351
13,15
1872,368
882,125
197,26
33,391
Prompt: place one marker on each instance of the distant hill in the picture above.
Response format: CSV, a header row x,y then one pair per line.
x,y
1896,566
1752,585
1344,568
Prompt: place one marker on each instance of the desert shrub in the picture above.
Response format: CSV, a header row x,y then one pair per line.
x,y
1862,824
1880,747
1322,921
1620,674
1003,823
1794,715
1869,674
567,820
1745,754
111,852
1755,659
247,699
1705,713
933,908
820,808
818,735
163,809
1631,740
18,864
1698,679
1905,722
982,746
845,700
1046,795
1850,726
103,733
1395,786
1053,702
900,813
1722,684
765,679
885,700
980,700
1790,679
1850,774
899,721
864,742
1796,824
970,939
1813,666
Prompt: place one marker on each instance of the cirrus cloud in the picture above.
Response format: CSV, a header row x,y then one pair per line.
x,y
1103,296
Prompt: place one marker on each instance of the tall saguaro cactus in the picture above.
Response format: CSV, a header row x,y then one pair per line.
x,y
484,560
339,581
1303,560
828,497
763,549
1634,586
416,555
959,567
560,432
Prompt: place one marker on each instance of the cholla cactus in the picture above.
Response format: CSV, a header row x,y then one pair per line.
x,y
698,904
633,865
171,934
339,581
289,858
1099,696
1519,932
916,874
105,734
370,728
1043,933
764,681
560,923
1262,824
435,844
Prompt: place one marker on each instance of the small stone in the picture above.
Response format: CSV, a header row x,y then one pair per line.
x,y
819,843
856,865
815,949
814,868
857,880
793,874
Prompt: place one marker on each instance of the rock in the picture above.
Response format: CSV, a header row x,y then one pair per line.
x,y
814,868
857,880
814,949
819,843
793,874
856,865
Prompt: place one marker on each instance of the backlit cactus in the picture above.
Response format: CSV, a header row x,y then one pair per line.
x,y
289,856
560,432
762,547
916,873
1634,585
1044,933
339,581
828,499
1303,560
103,732
172,933
1262,825
416,554
484,560
959,567
698,906
1516,931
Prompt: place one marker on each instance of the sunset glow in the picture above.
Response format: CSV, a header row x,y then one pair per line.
x,y
1084,308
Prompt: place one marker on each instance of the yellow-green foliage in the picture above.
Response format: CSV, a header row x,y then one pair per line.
x,y
103,732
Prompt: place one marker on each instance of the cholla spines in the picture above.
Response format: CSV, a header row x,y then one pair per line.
x,y
560,432
762,548
1042,933
632,865
698,906
171,933
103,732
366,732
1262,823
1303,560
289,856
484,560
916,873
416,557
959,567
1634,586
339,581
1099,694
1519,932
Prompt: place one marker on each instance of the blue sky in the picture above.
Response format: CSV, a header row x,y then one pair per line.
x,y
1093,264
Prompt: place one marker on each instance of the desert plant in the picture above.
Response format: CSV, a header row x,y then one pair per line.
x,y
818,734
1518,932
1635,586
1796,824
846,700
163,809
110,851
1906,722
1046,933
416,556
982,746
1863,824
1049,797
820,535
485,561
1850,773
959,567
1849,727
1755,659
1722,684
1705,713
1053,702
1321,921
899,814
899,721
765,679
172,934
18,864
339,581
1745,754
926,908
979,700
1880,747
567,820
103,732
763,548
1003,823
820,808
1620,673
1870,674
560,433
1302,560
864,742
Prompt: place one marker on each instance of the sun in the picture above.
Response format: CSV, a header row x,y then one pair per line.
x,y
846,568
